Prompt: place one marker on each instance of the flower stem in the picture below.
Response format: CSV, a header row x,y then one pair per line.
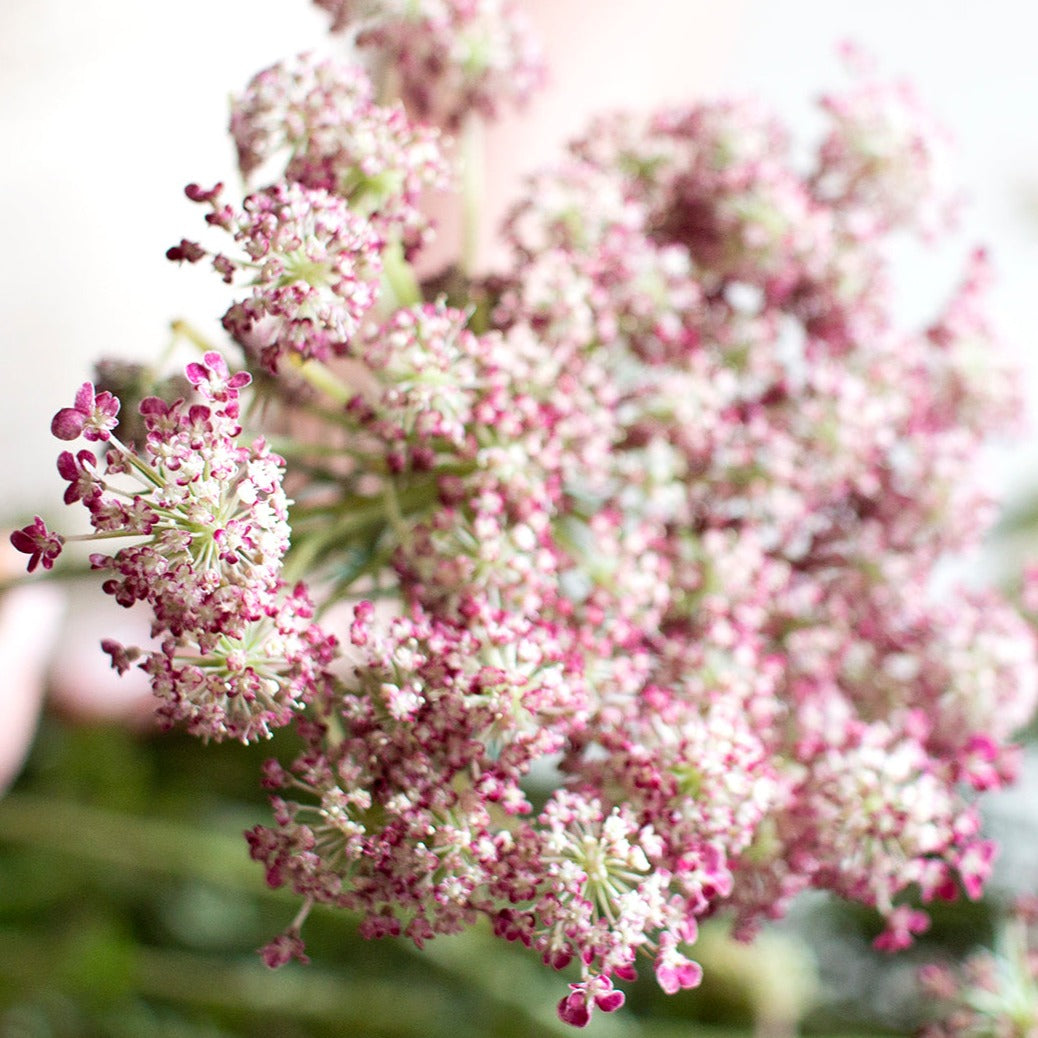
x,y
399,278
472,189
183,330
322,379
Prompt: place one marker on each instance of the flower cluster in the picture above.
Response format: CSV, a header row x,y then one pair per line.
x,y
451,57
883,161
441,723
994,992
312,264
321,115
656,511
237,653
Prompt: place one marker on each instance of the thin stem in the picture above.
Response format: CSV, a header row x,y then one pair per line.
x,y
473,189
322,379
399,278
392,505
184,330
106,535
146,473
309,547
366,518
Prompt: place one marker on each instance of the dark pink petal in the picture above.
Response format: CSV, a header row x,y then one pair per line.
x,y
196,373
153,405
216,364
68,423
200,194
284,948
67,467
558,959
675,976
92,417
573,1009
85,398
82,483
102,418
186,251
610,1002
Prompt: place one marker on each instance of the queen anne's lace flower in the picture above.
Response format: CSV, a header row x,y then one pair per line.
x,y
658,506
994,991
313,265
209,521
884,161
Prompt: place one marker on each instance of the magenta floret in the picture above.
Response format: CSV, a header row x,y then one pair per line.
x,y
92,417
42,546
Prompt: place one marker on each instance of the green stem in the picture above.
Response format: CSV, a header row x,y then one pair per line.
x,y
293,448
309,547
322,379
473,189
354,520
184,330
399,278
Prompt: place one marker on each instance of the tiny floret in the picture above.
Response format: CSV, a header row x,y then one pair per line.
x,y
93,416
42,546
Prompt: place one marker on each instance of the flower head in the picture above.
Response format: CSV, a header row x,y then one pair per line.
x,y
452,56
321,116
313,267
209,522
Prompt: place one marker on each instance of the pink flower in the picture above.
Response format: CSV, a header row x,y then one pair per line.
x,y
77,469
321,118
213,380
93,417
312,265
39,543
656,509
284,948
675,971
595,992
452,57
902,926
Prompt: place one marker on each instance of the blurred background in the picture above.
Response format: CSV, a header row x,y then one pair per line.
x,y
107,108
